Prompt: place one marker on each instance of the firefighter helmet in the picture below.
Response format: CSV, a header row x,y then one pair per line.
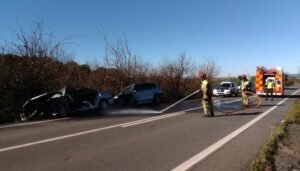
x,y
243,76
202,75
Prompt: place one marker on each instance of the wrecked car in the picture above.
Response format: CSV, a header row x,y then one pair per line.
x,y
65,102
140,93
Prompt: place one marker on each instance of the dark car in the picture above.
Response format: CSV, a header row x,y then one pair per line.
x,y
64,102
140,93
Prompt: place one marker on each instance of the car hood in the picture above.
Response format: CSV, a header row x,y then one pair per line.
x,y
42,98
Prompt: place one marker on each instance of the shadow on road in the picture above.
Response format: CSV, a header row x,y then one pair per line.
x,y
116,111
238,114
289,96
291,88
270,105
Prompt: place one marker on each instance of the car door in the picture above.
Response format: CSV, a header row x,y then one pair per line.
x,y
149,91
144,92
139,92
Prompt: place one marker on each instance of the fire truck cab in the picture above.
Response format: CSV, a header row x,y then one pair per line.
x,y
274,74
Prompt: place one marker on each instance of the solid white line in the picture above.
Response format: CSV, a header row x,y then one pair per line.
x,y
158,117
203,154
57,138
138,122
151,119
191,109
33,123
93,130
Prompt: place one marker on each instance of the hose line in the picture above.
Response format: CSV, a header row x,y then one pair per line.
x,y
252,104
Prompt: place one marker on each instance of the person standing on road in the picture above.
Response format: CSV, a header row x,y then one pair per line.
x,y
244,85
270,87
206,91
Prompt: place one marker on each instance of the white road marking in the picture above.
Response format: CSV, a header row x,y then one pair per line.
x,y
151,119
165,116
206,152
33,123
158,117
124,125
58,138
191,109
214,98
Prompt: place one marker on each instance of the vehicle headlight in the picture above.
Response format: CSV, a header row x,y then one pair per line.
x,y
116,97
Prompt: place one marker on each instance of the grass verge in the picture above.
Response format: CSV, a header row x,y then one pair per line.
x,y
265,159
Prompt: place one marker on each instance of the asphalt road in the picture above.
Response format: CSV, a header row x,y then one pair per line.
x,y
141,139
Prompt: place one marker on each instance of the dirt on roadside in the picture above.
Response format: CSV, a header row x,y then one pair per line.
x,y
287,157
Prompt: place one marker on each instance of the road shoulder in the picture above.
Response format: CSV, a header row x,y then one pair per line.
x,y
287,155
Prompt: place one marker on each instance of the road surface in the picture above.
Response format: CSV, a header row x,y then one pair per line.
x,y
142,140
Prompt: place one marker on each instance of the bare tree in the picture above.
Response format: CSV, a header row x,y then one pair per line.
x,y
179,68
174,75
120,57
209,67
184,66
38,43
3,49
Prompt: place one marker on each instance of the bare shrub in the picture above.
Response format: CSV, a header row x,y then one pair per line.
x,y
209,67
173,76
120,57
37,43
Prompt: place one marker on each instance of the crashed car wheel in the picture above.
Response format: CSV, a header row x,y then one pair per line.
x,y
122,100
58,109
156,99
132,100
103,104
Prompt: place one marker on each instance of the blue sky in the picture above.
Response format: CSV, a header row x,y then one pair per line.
x,y
237,34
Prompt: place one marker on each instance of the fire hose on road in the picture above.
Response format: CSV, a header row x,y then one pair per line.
x,y
253,103
167,108
219,104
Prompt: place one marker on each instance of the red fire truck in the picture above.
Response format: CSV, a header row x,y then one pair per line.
x,y
275,74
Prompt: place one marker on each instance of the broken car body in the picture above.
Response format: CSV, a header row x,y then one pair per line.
x,y
64,102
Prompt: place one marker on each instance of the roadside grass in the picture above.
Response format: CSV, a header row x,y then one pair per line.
x,y
265,158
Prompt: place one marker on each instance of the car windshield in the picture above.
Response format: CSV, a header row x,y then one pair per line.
x,y
127,88
225,85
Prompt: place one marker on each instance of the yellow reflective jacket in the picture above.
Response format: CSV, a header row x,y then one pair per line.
x,y
270,85
206,88
244,84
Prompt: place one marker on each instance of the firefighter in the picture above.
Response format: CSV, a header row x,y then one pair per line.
x,y
244,85
206,96
270,87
